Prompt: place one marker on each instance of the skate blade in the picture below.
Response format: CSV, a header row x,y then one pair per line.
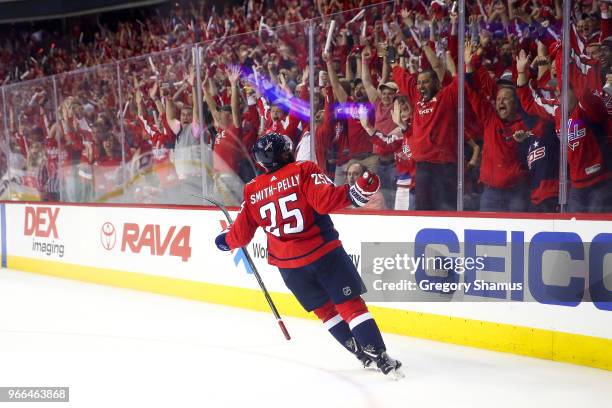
x,y
369,366
397,374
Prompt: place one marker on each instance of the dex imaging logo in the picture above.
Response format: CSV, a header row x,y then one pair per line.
x,y
108,236
41,223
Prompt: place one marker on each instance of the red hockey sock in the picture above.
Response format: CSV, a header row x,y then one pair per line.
x,y
334,323
326,312
362,324
351,309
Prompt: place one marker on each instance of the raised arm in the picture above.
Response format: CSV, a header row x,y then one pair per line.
x,y
210,101
530,104
479,78
450,63
348,72
522,62
139,104
170,111
481,106
233,74
324,134
371,91
179,92
154,95
434,61
194,96
339,92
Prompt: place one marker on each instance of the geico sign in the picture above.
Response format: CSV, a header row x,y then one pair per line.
x,y
579,267
41,221
173,242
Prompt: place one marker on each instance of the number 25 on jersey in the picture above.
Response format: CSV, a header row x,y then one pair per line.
x,y
291,221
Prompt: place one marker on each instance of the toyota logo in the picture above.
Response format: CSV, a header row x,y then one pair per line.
x,y
108,236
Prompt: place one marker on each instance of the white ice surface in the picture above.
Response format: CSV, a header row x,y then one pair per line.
x,y
121,348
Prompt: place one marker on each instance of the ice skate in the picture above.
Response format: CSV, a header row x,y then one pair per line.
x,y
386,364
355,348
389,366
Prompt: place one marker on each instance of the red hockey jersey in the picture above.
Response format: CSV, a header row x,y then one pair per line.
x,y
291,205
585,155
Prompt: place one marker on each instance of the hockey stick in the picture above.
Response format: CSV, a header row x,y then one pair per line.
x,y
253,268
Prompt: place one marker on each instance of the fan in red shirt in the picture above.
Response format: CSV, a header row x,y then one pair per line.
x,y
351,107
228,148
503,171
291,202
382,100
590,179
434,140
107,169
56,155
160,141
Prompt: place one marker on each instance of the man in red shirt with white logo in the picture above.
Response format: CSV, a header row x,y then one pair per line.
x,y
434,139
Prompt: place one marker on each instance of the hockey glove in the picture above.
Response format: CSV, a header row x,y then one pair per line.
x,y
364,188
221,242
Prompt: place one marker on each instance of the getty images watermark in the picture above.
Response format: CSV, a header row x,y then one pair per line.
x,y
411,264
405,272
550,268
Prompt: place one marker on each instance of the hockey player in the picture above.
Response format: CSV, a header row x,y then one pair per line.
x,y
291,202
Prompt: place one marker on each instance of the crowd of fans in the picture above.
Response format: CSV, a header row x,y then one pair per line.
x,y
157,119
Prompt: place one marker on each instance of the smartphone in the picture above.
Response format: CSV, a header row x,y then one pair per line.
x,y
391,55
